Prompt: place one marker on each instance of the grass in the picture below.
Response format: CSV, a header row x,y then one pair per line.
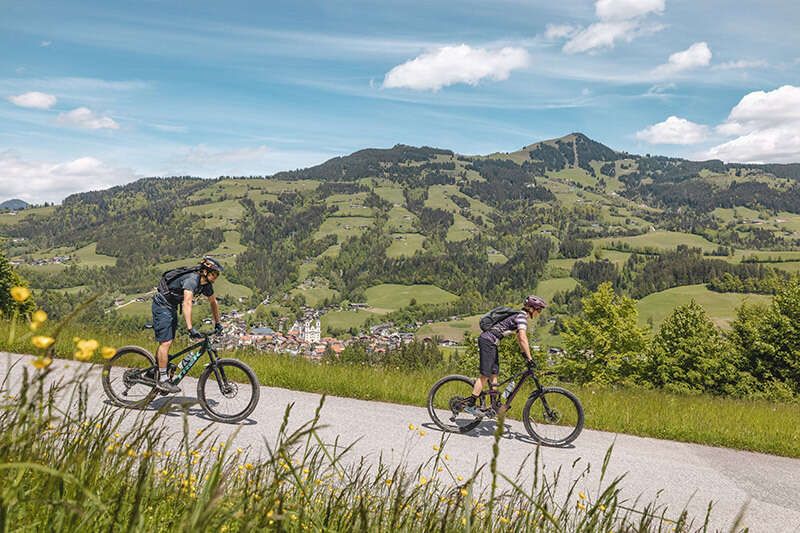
x,y
721,307
405,244
12,218
393,296
317,294
344,320
451,329
497,258
224,214
88,256
401,220
461,229
547,288
111,471
665,240
230,246
343,227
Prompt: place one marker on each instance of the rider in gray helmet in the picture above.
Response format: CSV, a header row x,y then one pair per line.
x,y
487,346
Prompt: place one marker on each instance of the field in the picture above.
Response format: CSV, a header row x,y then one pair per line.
x,y
665,240
405,244
451,329
230,246
392,297
343,227
401,220
344,320
547,288
721,307
11,218
224,214
315,292
88,256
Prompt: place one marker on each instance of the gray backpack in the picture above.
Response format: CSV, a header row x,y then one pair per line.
x,y
496,315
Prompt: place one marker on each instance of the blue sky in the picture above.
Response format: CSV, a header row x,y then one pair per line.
x,y
94,94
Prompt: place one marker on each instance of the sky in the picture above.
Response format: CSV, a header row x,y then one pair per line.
x,y
96,94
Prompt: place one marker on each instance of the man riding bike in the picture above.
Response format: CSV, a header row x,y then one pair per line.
x,y
179,287
487,347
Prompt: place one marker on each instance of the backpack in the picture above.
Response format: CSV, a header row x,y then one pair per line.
x,y
496,315
171,275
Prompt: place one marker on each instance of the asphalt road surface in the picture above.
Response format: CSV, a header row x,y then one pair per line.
x,y
687,475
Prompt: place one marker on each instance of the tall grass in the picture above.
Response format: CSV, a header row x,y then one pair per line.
x,y
754,425
65,469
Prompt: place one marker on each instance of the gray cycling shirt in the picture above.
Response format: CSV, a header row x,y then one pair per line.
x,y
506,327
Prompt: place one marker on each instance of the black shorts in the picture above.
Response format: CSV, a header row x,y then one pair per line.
x,y
490,360
165,319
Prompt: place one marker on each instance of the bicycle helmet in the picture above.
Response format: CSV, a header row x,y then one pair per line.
x,y
209,263
534,302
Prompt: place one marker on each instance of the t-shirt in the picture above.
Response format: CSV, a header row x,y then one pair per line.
x,y
507,326
188,282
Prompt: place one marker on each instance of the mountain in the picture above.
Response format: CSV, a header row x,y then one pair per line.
x,y
13,205
570,211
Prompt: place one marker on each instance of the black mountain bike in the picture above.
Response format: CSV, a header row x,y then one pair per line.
x,y
552,415
227,389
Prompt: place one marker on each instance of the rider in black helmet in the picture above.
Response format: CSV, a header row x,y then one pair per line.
x,y
180,288
489,339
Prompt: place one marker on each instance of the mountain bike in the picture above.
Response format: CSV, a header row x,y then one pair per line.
x,y
553,416
228,389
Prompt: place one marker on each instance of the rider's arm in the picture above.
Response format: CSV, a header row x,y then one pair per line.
x,y
522,338
187,308
212,300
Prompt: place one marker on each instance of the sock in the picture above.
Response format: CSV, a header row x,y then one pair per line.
x,y
473,399
162,374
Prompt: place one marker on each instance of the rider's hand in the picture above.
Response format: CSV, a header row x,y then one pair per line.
x,y
217,328
194,334
530,363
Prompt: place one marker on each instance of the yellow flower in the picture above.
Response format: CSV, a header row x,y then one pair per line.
x,y
463,492
249,466
580,505
439,469
34,325
81,355
447,457
108,352
20,294
42,362
389,482
460,478
42,342
412,427
436,447
504,520
39,316
423,480
88,345
582,495
422,432
602,507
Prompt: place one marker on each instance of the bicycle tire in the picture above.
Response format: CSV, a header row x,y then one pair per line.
x,y
204,400
109,367
555,391
451,428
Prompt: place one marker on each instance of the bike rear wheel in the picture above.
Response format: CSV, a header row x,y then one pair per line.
x,y
447,400
129,378
228,391
553,416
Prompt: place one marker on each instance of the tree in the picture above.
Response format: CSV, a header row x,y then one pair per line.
x,y
689,354
605,343
10,278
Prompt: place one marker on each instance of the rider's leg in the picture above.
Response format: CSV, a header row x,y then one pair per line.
x,y
162,354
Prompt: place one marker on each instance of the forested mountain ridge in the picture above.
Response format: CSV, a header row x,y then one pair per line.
x,y
484,228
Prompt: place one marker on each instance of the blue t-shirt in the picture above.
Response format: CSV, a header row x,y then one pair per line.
x,y
507,326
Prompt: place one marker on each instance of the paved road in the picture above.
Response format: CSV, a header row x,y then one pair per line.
x,y
688,475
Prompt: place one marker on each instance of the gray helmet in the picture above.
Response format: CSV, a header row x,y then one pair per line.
x,y
209,263
534,302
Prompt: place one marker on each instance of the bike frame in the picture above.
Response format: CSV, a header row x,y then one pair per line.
x,y
202,347
494,394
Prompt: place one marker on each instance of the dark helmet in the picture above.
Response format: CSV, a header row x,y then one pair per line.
x,y
209,263
534,302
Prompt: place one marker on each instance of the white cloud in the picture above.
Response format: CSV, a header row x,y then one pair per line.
x,y
45,44
34,99
456,64
619,20
696,56
674,130
202,154
84,117
741,64
767,126
560,31
40,181
627,9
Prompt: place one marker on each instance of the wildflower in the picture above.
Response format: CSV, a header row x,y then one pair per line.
x,y
111,448
463,492
504,520
582,495
459,478
580,505
422,432
199,432
412,427
423,480
602,507
436,447
439,469
131,453
34,325
41,363
42,342
20,294
39,316
86,349
249,466
239,450
447,457
108,352
306,471
389,482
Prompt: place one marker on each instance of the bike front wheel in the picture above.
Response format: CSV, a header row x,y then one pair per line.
x,y
228,390
129,377
553,416
447,400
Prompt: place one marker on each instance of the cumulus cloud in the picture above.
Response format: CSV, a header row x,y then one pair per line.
x,y
619,20
34,99
455,64
41,181
559,31
674,130
766,125
697,55
83,117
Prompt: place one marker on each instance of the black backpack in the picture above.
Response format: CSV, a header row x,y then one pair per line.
x,y
496,315
171,275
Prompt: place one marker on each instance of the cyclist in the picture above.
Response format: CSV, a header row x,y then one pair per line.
x,y
487,347
179,287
